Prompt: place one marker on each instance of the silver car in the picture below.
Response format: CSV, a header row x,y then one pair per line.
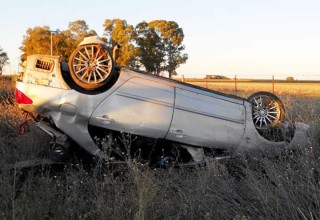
x,y
111,111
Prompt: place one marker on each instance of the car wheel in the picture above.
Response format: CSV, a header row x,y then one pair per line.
x,y
91,66
267,110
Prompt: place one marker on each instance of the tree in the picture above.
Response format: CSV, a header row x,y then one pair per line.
x,y
155,46
172,37
4,59
151,48
118,32
160,44
77,30
38,40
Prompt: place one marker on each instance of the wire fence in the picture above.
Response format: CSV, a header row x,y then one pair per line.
x,y
237,85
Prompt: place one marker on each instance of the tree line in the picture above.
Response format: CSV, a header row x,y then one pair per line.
x,y
155,46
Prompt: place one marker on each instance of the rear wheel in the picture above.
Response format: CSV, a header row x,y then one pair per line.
x,y
91,66
267,110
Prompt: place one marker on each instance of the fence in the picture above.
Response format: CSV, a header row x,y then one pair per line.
x,y
243,86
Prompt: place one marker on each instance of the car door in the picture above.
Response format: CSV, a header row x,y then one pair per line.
x,y
141,106
207,119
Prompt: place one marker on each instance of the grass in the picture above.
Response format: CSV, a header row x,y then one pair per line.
x,y
253,187
247,87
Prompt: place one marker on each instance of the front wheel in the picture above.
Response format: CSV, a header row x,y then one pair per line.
x,y
267,110
91,66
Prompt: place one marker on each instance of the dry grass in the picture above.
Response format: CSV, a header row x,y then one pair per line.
x,y
244,188
303,89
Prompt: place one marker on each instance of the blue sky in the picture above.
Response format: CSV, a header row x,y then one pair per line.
x,y
247,38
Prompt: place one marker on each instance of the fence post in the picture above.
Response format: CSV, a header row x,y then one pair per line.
x,y
183,80
272,83
235,84
206,82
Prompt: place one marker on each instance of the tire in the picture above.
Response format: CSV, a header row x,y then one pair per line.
x,y
267,111
91,66
58,152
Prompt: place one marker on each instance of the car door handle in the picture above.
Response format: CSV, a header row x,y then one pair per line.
x,y
177,133
105,119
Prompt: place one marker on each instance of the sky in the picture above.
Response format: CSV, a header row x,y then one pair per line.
x,y
243,38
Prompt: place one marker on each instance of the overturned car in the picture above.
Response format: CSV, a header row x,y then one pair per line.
x,y
112,112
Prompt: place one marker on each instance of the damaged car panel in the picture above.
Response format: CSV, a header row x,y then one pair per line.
x,y
94,103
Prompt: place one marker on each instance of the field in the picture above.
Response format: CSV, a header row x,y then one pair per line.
x,y
251,187
244,87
